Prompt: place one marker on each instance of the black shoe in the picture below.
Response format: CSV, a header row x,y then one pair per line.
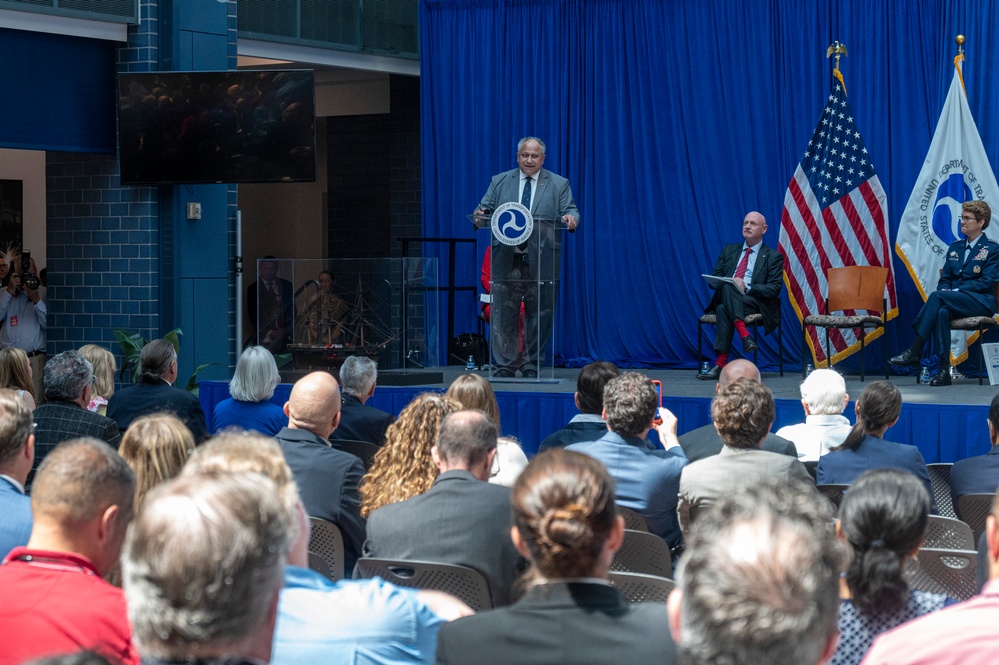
x,y
906,359
529,373
749,344
504,373
941,379
711,375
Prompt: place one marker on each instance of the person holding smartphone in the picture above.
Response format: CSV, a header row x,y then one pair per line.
x,y
23,314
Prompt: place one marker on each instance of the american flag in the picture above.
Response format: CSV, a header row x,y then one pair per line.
x,y
834,215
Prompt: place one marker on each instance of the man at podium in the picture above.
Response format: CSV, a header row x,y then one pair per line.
x,y
517,269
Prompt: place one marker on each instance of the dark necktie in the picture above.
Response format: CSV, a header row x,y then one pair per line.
x,y
740,270
525,199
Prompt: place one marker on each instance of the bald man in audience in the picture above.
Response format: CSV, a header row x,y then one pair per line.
x,y
52,596
705,442
328,479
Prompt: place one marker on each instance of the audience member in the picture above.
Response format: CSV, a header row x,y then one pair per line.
x,y
404,466
358,421
759,581
705,442
327,478
567,525
17,453
647,480
251,389
202,568
461,519
270,303
155,392
104,369
23,315
155,447
589,423
368,621
475,392
53,599
743,412
878,408
963,634
16,374
79,658
979,475
69,378
883,519
823,397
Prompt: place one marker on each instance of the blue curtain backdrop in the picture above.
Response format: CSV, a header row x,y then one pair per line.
x,y
672,120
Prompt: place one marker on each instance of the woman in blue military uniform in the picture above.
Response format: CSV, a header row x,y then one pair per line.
x,y
966,288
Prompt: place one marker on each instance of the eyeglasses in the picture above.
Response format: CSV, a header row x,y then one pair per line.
x,y
495,468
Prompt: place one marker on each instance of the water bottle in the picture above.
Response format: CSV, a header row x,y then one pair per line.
x,y
809,368
705,366
924,376
470,365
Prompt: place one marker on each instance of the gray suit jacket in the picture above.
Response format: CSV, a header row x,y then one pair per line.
x,y
460,520
552,198
703,483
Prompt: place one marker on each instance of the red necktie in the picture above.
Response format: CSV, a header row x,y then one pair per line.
x,y
740,271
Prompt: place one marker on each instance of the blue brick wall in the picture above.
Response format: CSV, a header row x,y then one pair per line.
x,y
103,262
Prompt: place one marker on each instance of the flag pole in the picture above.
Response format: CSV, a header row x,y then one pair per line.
x,y
958,59
839,50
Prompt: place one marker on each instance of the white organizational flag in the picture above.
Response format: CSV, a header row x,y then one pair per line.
x,y
956,170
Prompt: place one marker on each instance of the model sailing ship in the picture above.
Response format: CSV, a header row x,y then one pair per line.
x,y
335,327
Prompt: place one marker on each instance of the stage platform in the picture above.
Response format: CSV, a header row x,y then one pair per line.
x,y
947,424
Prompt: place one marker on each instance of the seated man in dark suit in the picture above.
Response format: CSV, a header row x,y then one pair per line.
x,y
743,412
756,272
966,288
462,519
358,421
327,479
155,392
69,379
705,442
979,475
589,425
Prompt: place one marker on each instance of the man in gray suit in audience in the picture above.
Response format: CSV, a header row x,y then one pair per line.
x,y
705,442
743,412
462,519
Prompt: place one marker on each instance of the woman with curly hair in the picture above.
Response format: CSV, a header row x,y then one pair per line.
x,y
15,374
566,523
403,466
474,392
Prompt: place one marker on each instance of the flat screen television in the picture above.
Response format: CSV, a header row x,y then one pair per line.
x,y
217,127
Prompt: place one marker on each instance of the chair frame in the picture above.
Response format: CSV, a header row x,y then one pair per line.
x,y
940,480
470,586
633,519
931,571
853,278
321,530
643,552
754,320
834,492
948,533
981,324
642,588
967,501
363,450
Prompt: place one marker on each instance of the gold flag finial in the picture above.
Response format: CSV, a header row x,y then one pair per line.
x,y
838,49
960,44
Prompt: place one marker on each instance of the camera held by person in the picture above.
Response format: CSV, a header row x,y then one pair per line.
x,y
28,281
